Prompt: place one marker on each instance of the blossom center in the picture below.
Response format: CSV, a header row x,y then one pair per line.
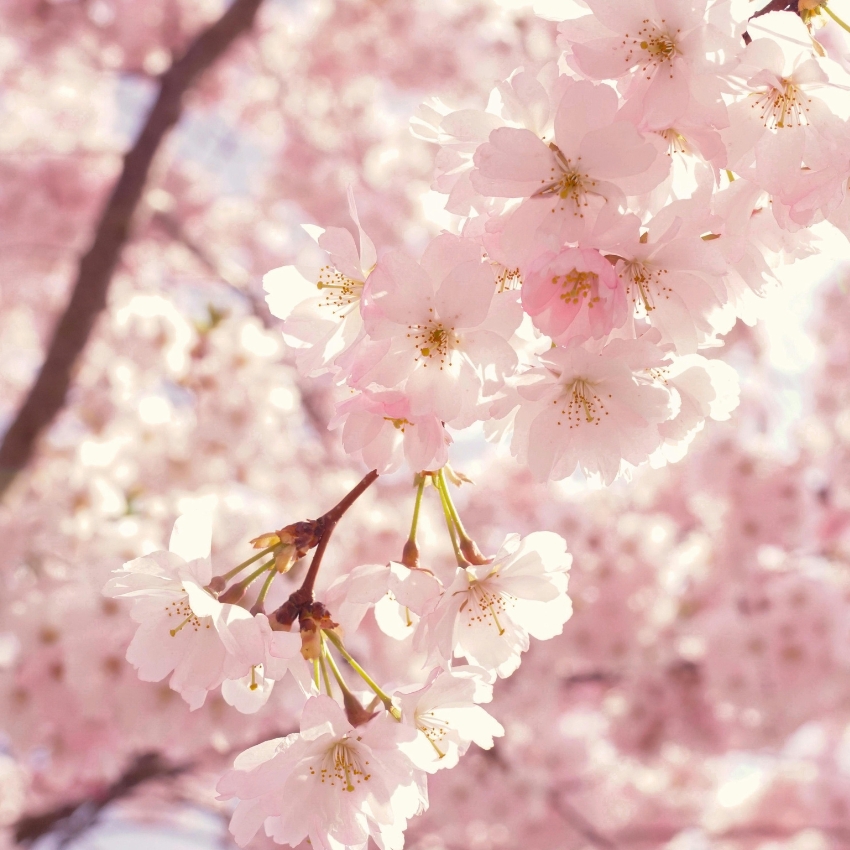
x,y
644,285
568,182
341,292
182,611
783,106
581,404
508,278
577,286
434,729
657,45
400,424
432,340
488,605
343,766
676,142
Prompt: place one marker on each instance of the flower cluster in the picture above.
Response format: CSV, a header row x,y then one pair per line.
x,y
353,771
617,211
629,201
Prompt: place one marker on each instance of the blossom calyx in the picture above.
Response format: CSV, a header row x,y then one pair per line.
x,y
355,713
469,549
312,619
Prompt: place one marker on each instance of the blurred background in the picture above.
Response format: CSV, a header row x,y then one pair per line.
x,y
699,697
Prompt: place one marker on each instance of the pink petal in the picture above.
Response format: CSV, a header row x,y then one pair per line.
x,y
463,299
584,107
513,164
339,243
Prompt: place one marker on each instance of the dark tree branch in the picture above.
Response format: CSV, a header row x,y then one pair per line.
x,y
88,297
579,822
73,819
774,6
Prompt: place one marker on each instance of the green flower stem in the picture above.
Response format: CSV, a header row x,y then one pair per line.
x,y
414,524
327,657
324,667
257,573
316,674
452,509
236,570
461,561
835,17
266,585
384,697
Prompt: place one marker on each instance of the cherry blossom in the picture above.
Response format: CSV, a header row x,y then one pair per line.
x,y
257,658
576,184
609,210
674,278
322,327
176,616
787,97
446,714
574,294
489,611
331,783
596,411
667,46
380,428
434,326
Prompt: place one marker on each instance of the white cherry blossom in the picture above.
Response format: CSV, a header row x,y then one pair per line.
x,y
320,328
258,657
489,611
446,714
176,616
331,783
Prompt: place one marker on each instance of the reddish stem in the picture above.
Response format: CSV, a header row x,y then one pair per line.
x,y
327,523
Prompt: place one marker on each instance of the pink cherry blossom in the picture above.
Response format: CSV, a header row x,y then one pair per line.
x,y
666,44
525,100
574,294
380,429
786,97
674,279
433,326
706,389
577,183
589,410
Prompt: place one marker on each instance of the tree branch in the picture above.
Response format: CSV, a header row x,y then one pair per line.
x,y
88,297
72,819
579,822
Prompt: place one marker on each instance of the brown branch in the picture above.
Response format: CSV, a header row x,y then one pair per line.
x,y
72,819
320,530
579,822
329,521
774,6
660,835
88,297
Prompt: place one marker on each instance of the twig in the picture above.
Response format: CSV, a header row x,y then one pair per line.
x,y
88,297
328,523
